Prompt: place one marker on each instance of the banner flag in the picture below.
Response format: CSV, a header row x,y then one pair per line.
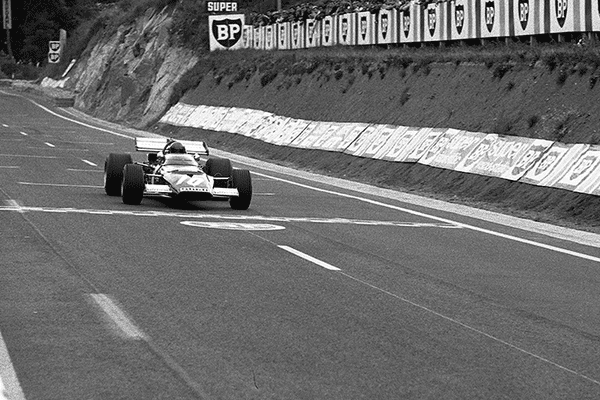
x,y
313,33
395,136
366,28
520,162
346,24
247,37
579,171
385,133
283,35
290,131
550,168
298,35
387,26
429,137
329,31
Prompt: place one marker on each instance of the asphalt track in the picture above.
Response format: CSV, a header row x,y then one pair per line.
x,y
321,290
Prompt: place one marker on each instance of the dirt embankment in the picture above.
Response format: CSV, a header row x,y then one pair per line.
x,y
522,100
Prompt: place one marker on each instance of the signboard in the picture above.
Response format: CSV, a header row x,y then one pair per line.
x,y
221,6
54,50
225,31
6,14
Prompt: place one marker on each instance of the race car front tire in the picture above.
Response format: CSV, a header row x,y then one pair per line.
x,y
242,181
218,167
133,184
113,172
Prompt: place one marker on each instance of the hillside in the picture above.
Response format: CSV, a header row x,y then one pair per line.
x,y
132,75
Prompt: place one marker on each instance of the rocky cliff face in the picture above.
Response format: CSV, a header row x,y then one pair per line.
x,y
128,75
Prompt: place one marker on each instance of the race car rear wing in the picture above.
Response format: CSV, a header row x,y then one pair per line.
x,y
157,144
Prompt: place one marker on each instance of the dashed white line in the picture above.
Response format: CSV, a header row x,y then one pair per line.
x,y
25,156
309,258
24,134
49,144
89,163
116,316
59,185
6,126
9,166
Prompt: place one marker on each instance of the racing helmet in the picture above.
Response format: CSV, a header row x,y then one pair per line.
x,y
175,148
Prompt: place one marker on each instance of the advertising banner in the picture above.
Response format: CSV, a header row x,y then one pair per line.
x,y
340,135
552,165
178,115
298,35
313,33
400,147
528,17
429,136
366,28
266,130
580,170
519,160
325,141
568,16
355,148
410,23
253,122
328,31
247,37
494,18
313,133
480,152
436,22
270,37
387,26
346,24
225,31
385,133
290,131
595,14
445,148
258,37
462,19
283,35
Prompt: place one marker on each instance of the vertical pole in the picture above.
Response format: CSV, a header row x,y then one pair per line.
x,y
278,5
7,22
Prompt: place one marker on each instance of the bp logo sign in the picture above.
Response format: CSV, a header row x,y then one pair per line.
x,y
431,20
524,13
227,31
406,23
385,25
561,11
459,17
490,15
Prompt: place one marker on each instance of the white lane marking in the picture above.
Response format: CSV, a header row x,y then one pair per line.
x,y
59,185
81,123
473,329
49,144
445,220
6,126
236,226
10,388
95,143
23,133
25,156
118,317
173,214
309,258
89,163
84,170
9,166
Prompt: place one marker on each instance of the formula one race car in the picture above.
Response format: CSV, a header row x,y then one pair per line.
x,y
173,169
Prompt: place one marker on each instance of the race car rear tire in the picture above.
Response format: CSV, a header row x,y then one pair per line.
x,y
133,184
242,181
218,167
113,172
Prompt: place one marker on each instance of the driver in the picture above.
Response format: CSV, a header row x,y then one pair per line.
x,y
174,147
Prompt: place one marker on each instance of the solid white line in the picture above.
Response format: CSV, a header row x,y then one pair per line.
x,y
25,155
309,258
118,317
81,123
448,221
10,388
49,144
89,163
59,185
84,170
9,166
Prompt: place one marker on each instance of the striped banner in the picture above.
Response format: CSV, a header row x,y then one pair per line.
x,y
328,31
346,33
298,35
365,34
283,35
